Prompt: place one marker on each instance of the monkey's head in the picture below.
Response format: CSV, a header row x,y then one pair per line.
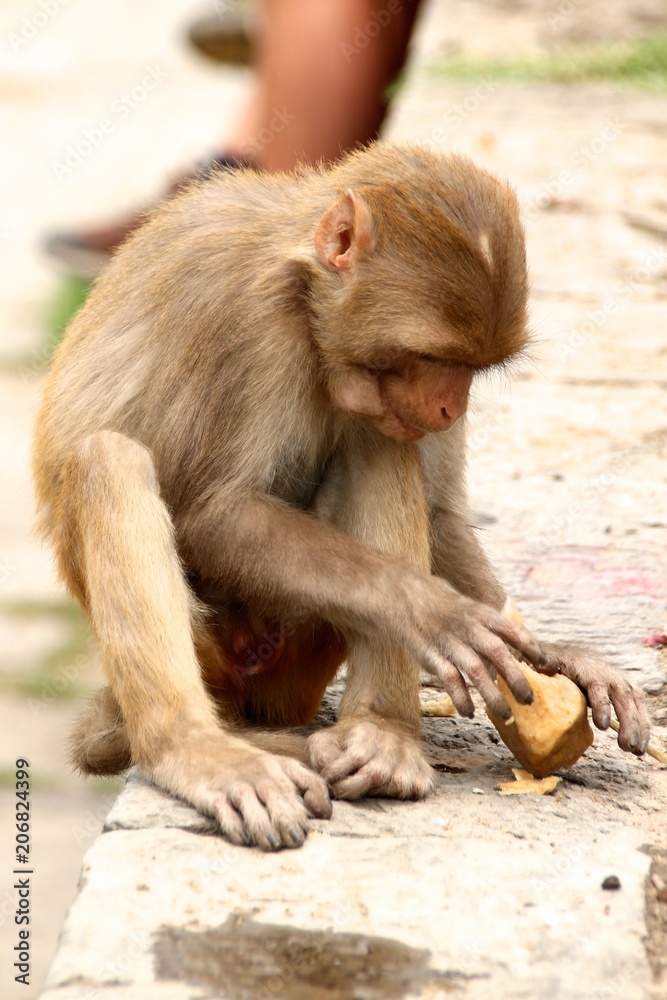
x,y
426,285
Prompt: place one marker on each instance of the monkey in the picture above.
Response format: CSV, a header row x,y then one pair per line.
x,y
250,462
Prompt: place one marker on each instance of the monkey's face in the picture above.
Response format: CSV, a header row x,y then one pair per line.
x,y
419,396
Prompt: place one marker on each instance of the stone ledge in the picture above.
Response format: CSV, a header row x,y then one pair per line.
x,y
466,893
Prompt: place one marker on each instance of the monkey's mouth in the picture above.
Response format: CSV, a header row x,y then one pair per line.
x,y
410,431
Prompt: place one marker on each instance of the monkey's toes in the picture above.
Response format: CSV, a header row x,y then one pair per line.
x,y
312,787
366,760
268,816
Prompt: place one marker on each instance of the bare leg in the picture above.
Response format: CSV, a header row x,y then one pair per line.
x,y
322,79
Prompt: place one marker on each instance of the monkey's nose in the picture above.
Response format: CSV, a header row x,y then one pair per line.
x,y
452,410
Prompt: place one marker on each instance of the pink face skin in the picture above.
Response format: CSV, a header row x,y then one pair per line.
x,y
427,397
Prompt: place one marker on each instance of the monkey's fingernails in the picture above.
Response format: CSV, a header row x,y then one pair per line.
x,y
643,748
550,668
297,835
500,708
273,841
536,654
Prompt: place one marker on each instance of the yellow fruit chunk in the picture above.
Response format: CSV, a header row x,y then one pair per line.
x,y
438,707
526,784
552,733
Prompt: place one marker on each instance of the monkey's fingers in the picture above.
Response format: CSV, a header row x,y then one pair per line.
x,y
312,788
411,779
453,683
230,822
290,824
519,637
496,652
271,818
467,660
357,785
597,695
634,726
362,758
335,758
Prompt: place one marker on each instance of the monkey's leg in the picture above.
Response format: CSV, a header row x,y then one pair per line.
x,y
377,495
143,614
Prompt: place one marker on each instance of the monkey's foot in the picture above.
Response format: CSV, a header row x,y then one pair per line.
x,y
367,756
256,797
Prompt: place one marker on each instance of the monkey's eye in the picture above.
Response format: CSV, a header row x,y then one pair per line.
x,y
377,372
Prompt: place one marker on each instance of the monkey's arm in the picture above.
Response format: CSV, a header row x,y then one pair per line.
x,y
456,554
605,687
284,559
458,557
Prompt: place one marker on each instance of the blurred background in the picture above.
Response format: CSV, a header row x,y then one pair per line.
x,y
104,106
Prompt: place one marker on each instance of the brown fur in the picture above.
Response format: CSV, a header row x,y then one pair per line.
x,y
227,466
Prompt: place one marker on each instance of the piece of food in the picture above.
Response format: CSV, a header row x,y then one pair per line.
x,y
553,732
439,707
526,784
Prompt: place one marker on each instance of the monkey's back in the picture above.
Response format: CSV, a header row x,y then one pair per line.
x,y
166,342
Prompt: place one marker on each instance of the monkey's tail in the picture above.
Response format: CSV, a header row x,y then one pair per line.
x,y
285,742
99,743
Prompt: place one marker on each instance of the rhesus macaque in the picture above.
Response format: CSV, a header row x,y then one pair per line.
x,y
250,461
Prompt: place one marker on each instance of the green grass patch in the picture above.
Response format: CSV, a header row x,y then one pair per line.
x,y
63,609
70,296
642,62
55,317
38,780
44,782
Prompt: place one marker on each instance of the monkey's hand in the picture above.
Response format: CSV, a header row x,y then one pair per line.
x,y
605,687
453,636
368,755
256,797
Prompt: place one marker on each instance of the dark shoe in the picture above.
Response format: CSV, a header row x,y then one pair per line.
x,y
85,253
227,37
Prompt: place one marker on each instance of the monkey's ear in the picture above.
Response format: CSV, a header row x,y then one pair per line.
x,y
344,233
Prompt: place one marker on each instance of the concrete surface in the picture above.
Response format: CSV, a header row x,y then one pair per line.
x,y
468,894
